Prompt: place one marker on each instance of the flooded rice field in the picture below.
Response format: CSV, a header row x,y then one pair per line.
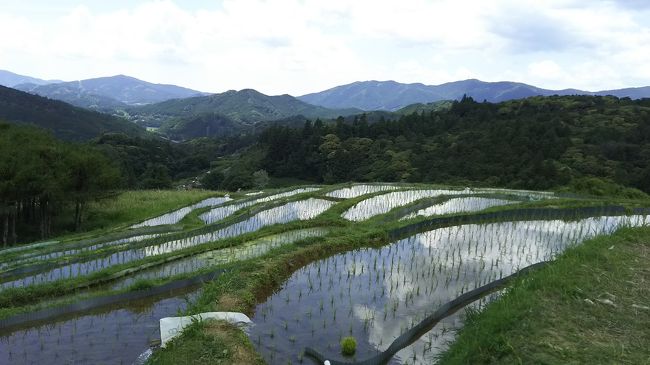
x,y
177,215
248,250
299,210
459,205
378,294
114,335
359,190
221,213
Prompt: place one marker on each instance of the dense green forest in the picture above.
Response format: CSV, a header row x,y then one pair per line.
x,y
67,122
46,183
537,143
39,175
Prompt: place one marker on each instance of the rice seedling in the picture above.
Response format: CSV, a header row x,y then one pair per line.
x,y
118,334
383,292
221,213
359,190
299,210
459,205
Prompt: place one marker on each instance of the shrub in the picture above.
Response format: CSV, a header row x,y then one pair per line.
x,y
348,346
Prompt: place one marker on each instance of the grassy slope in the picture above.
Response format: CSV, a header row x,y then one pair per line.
x,y
554,316
134,206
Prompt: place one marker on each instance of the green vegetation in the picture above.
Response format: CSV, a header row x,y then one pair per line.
x,y
134,206
226,113
534,143
348,346
63,120
39,175
589,306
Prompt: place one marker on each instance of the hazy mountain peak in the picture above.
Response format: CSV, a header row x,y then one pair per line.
x,y
110,92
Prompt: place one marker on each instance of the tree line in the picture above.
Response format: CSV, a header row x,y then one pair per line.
x,y
39,175
534,143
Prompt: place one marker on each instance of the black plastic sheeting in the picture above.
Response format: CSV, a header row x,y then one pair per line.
x,y
92,303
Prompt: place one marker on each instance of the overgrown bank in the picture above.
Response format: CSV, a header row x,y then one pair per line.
x,y
590,306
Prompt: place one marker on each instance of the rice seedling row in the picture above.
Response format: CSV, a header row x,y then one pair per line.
x,y
221,213
377,294
222,256
459,205
299,210
114,335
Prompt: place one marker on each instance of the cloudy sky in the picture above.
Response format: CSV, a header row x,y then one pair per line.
x,y
304,46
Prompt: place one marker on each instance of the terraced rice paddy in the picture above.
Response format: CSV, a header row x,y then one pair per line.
x,y
300,210
359,190
176,216
114,335
221,213
246,251
381,204
377,294
373,294
459,205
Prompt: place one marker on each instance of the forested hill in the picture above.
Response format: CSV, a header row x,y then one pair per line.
x,y
539,142
64,120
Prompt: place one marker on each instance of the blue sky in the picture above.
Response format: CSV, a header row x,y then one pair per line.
x,y
296,47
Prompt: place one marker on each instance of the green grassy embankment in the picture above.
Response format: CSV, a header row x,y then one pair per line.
x,y
590,306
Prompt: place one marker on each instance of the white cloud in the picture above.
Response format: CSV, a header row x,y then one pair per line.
x,y
292,46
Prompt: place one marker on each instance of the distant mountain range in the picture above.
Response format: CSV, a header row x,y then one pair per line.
x,y
64,120
392,95
183,113
108,93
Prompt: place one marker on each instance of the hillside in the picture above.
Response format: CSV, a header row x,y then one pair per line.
x,y
535,143
64,120
225,113
109,92
391,95
72,94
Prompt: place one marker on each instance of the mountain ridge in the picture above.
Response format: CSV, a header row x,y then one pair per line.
x,y
109,92
392,95
64,120
228,111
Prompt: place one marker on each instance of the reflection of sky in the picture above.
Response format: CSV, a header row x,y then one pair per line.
x,y
299,210
245,251
106,336
384,203
220,213
176,216
358,190
378,294
459,205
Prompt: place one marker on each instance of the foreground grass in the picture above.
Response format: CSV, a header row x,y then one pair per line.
x,y
591,306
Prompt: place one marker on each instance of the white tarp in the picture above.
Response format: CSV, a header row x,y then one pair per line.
x,y
171,327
